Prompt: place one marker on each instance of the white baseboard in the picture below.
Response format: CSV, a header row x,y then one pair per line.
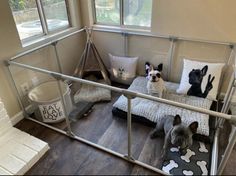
x,y
17,118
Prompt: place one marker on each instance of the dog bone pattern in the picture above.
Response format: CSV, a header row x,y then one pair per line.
x,y
188,155
202,165
185,172
203,148
170,166
174,149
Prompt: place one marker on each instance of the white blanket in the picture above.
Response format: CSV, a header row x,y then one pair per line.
x,y
154,111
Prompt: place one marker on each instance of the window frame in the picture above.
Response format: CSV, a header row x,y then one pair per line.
x,y
45,30
121,25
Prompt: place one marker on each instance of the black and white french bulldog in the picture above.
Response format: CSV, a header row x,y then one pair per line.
x,y
176,134
195,79
156,84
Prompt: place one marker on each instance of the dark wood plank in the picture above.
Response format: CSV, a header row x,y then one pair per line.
x,y
150,154
93,126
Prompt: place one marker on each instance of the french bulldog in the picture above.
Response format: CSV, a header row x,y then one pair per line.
x,y
155,85
176,134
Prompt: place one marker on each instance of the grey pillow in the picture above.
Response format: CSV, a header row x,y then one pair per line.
x,y
123,69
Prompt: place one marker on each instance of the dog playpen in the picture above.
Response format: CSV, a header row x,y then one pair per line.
x,y
220,116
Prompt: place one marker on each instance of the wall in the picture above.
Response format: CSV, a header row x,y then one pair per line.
x,y
202,19
197,19
10,44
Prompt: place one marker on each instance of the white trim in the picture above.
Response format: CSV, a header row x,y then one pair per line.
x,y
49,37
20,115
17,118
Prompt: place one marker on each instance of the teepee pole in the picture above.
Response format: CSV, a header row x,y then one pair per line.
x,y
77,68
100,62
83,61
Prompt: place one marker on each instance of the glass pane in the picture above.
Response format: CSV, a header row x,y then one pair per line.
x,y
26,18
108,11
56,14
138,12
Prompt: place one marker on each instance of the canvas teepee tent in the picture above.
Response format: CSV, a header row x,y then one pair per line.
x,y
91,60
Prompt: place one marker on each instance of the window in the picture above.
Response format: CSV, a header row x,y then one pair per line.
x,y
36,18
123,12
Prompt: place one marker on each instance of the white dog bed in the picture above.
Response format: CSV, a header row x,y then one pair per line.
x,y
90,93
154,111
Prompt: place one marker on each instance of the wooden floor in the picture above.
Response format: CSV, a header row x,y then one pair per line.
x,y
68,156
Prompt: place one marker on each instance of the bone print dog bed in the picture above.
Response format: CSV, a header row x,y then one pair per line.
x,y
154,111
195,161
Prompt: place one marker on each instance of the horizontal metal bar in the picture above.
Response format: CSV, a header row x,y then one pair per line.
x,y
44,45
188,107
104,149
145,34
127,92
48,126
59,75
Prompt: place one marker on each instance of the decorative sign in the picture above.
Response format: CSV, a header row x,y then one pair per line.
x,y
52,112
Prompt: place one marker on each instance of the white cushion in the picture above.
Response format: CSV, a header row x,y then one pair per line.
x,y
214,69
90,93
123,69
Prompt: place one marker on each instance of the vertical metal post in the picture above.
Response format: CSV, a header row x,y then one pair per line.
x,y
232,139
69,131
17,92
129,122
214,154
227,63
227,100
129,127
126,50
171,56
57,57
231,54
228,151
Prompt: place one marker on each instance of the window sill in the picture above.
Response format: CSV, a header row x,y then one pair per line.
x,y
47,38
119,29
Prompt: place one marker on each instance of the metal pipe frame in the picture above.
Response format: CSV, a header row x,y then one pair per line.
x,y
99,147
171,56
129,94
45,45
227,100
57,57
148,34
227,152
125,91
214,154
129,128
232,139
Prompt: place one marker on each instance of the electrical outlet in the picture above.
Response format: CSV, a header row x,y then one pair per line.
x,y
24,88
35,81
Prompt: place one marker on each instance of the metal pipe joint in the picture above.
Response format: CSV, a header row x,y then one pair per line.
x,y
173,38
129,94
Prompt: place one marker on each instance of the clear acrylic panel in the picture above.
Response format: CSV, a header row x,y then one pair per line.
x,y
26,17
138,12
108,11
56,14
